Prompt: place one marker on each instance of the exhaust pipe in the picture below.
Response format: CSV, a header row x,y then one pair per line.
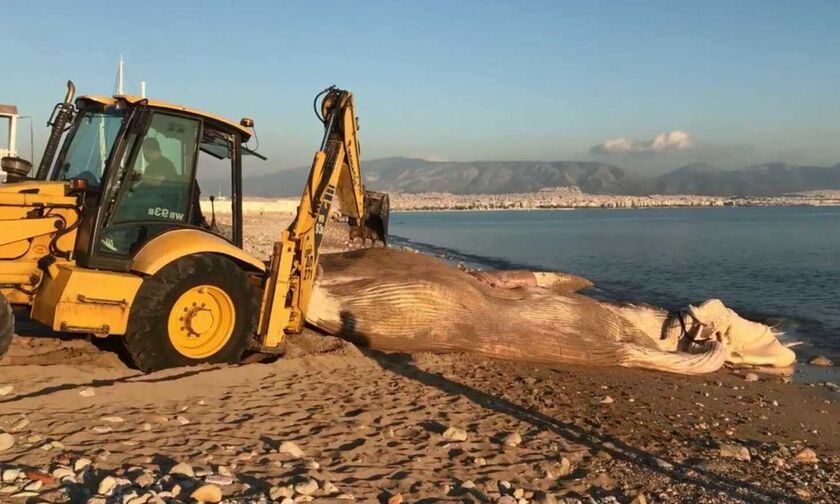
x,y
59,120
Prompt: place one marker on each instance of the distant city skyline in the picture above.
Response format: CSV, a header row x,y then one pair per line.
x,y
647,87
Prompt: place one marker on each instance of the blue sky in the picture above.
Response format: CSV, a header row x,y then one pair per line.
x,y
747,82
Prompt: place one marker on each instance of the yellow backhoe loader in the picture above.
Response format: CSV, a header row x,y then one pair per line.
x,y
110,239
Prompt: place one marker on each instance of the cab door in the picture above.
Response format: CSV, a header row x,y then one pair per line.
x,y
152,190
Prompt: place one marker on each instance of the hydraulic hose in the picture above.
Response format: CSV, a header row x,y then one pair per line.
x,y
61,117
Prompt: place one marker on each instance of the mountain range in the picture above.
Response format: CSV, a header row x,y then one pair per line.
x,y
498,177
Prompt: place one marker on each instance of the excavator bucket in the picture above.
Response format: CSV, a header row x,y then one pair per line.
x,y
375,220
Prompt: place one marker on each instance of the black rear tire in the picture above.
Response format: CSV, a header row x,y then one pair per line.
x,y
147,338
7,325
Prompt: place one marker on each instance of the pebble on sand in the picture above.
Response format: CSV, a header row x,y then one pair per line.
x,y
278,493
751,377
806,455
81,464
397,498
10,475
87,392
6,441
455,434
6,390
291,449
329,488
19,425
182,469
207,493
820,360
512,439
218,479
607,400
737,452
307,487
106,485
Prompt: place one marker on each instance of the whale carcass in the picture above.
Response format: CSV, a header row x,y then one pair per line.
x,y
395,300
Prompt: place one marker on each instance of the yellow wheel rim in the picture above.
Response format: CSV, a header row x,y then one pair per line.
x,y
201,321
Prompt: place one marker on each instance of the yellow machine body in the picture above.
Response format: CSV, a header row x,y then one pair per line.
x,y
40,265
87,301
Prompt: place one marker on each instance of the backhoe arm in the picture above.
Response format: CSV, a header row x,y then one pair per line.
x,y
335,170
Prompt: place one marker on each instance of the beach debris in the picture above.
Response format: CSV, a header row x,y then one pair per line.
x,y
307,487
806,455
291,449
208,493
6,441
39,476
87,392
513,439
820,360
6,390
751,377
455,434
182,469
735,451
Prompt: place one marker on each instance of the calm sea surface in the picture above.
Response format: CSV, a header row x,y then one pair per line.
x,y
776,264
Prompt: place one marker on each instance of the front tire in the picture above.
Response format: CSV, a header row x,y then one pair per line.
x,y
199,308
7,325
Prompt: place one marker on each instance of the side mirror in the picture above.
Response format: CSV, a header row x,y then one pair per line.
x,y
16,168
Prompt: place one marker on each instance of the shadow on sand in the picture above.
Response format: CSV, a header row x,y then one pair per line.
x,y
401,364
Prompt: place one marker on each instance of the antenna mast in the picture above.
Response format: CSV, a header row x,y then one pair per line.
x,y
119,90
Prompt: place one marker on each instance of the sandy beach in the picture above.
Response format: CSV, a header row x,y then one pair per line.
x,y
330,422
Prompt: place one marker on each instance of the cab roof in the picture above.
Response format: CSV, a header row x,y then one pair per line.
x,y
111,100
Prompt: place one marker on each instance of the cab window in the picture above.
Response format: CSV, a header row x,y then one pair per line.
x,y
158,188
213,208
157,192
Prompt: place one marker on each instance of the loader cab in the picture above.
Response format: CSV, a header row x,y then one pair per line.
x,y
148,168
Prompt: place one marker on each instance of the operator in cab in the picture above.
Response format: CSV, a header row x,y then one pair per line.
x,y
158,194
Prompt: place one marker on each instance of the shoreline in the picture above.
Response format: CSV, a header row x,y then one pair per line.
x,y
571,208
571,198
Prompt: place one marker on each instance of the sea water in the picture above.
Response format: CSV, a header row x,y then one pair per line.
x,y
779,265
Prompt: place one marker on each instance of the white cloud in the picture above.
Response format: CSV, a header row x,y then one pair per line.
x,y
672,140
